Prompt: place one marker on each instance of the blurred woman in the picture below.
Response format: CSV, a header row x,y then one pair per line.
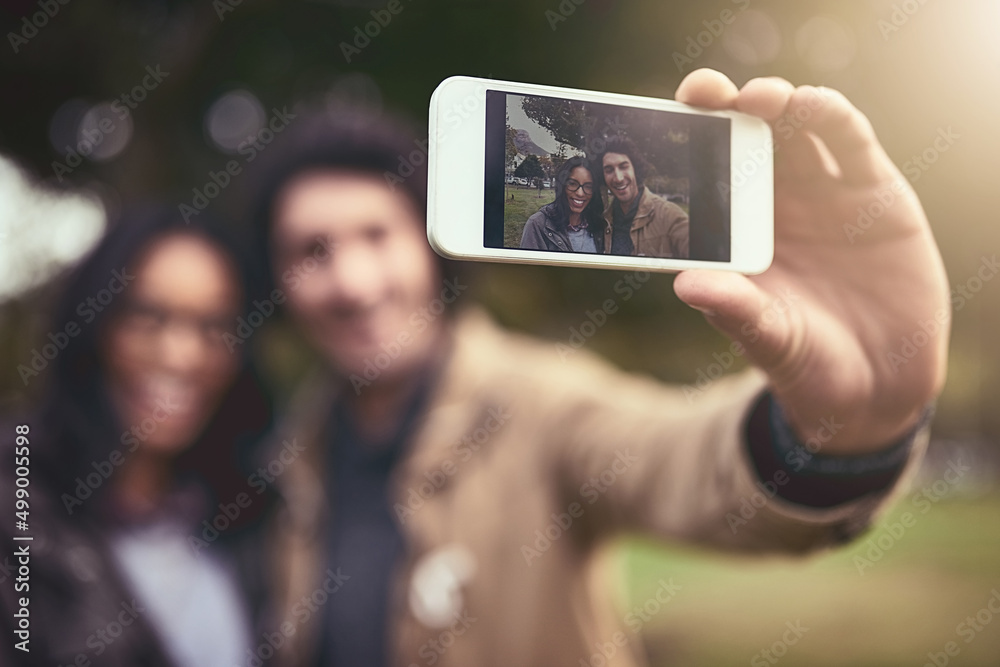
x,y
573,222
144,527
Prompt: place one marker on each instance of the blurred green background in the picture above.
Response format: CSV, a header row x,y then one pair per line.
x,y
916,67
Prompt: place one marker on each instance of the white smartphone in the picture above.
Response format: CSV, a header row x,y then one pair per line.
x,y
543,175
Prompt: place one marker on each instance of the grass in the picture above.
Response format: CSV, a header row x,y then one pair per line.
x,y
525,203
515,213
909,603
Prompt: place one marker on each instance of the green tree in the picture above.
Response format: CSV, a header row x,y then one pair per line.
x,y
662,138
548,166
530,168
510,148
565,119
558,158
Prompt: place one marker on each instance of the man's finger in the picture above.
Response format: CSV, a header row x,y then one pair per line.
x,y
797,157
737,307
707,88
845,131
804,158
765,97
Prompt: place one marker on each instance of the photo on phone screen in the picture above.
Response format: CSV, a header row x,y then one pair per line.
x,y
566,175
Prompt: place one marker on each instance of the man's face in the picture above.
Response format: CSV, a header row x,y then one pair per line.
x,y
352,257
619,175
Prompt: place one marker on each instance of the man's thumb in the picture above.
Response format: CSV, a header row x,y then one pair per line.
x,y
743,311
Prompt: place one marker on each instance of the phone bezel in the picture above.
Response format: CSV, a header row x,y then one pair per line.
x,y
455,217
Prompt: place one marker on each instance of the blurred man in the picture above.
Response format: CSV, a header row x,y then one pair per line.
x,y
638,222
458,483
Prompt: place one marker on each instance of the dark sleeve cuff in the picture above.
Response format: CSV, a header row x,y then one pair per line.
x,y
802,476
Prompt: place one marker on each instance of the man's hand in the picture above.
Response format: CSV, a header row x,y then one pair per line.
x,y
829,318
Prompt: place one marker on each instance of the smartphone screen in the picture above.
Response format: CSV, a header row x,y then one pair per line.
x,y
537,174
636,182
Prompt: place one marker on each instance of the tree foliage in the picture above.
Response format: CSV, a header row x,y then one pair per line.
x,y
586,127
530,168
510,148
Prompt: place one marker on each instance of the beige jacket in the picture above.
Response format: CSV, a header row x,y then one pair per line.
x,y
523,470
660,228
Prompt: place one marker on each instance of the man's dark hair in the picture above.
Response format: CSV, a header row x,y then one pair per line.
x,y
622,144
357,140
559,210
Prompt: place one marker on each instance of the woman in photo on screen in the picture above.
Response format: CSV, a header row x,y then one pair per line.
x,y
573,222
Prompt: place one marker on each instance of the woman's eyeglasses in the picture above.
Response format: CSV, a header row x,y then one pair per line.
x,y
573,185
147,321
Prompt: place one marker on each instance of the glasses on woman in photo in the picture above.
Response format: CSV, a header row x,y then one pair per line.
x,y
573,185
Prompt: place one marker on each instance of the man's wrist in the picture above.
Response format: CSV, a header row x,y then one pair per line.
x,y
806,457
804,477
